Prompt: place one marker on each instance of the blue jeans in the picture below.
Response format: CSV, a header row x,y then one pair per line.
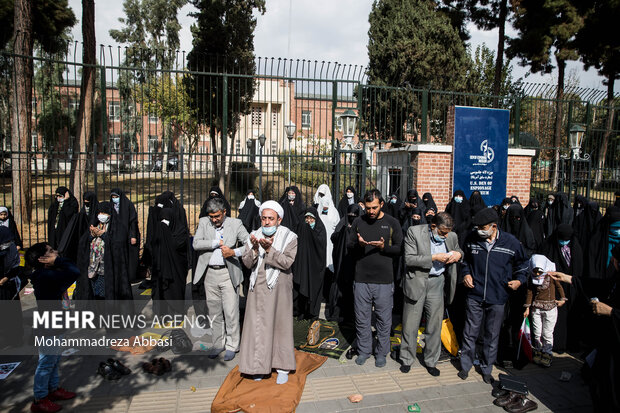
x,y
46,375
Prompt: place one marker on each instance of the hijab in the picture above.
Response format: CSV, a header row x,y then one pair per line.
x,y
427,198
345,202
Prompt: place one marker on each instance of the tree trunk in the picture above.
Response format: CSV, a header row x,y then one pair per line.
x,y
21,112
85,116
222,174
499,61
602,154
557,139
213,135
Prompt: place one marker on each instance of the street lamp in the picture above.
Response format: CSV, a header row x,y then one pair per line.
x,y
349,120
577,131
261,140
289,128
575,139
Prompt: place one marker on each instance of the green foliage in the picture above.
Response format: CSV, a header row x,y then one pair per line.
x,y
481,74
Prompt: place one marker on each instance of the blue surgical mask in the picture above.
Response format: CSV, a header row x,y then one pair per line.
x,y
564,242
312,224
437,238
393,201
458,199
116,200
614,232
269,231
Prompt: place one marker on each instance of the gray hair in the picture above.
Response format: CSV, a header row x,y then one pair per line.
x,y
215,205
443,219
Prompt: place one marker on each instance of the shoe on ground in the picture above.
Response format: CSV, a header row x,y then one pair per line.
x,y
110,373
118,366
433,371
405,369
497,392
521,405
462,374
506,399
45,405
545,360
487,378
61,394
361,359
351,353
229,355
536,356
380,362
215,352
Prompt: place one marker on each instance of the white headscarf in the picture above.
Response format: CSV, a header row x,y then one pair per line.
x,y
542,262
330,220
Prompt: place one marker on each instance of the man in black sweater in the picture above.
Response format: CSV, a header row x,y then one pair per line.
x,y
377,241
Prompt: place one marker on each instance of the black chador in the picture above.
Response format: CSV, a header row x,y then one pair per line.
x,y
103,259
7,220
293,206
248,211
59,215
428,200
214,192
585,218
458,208
166,200
169,269
516,224
340,308
78,226
558,212
128,218
350,197
536,220
309,266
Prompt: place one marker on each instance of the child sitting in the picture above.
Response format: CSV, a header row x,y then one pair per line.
x,y
541,295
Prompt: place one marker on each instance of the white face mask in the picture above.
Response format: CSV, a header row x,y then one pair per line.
x,y
349,195
87,209
165,221
60,200
160,205
103,218
250,196
291,197
484,234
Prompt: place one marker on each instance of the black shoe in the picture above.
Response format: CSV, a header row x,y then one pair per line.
x,y
433,371
499,392
108,372
463,374
352,352
118,366
487,378
405,369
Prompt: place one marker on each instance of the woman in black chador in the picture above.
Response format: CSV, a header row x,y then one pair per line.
x,y
536,220
248,211
103,259
215,192
585,218
557,211
169,246
340,308
350,197
63,208
78,226
458,208
128,218
7,220
293,206
309,266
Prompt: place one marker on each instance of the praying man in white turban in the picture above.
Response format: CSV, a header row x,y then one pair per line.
x,y
267,337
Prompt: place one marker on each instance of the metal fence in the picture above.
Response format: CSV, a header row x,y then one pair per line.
x,y
180,128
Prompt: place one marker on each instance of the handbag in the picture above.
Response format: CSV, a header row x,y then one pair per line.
x,y
313,338
180,341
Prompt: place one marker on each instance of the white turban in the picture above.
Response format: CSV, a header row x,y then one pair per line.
x,y
272,205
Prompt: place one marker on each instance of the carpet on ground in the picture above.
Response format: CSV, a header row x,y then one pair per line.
x,y
334,339
239,393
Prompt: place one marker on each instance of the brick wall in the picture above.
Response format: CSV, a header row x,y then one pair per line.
x,y
519,177
432,173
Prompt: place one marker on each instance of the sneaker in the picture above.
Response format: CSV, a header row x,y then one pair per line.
x,y
545,360
45,405
61,394
536,356
229,355
379,362
361,359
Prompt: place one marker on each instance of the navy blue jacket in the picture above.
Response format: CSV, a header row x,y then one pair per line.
x,y
50,283
491,270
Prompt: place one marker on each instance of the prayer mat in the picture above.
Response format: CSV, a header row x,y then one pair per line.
x,y
338,338
241,394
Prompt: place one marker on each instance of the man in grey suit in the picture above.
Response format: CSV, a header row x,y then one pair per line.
x,y
219,266
431,252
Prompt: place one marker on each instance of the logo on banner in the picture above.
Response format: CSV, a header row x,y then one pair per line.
x,y
488,154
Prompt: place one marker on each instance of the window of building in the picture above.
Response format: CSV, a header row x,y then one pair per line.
x,y
114,110
115,143
74,104
274,147
35,141
153,144
237,146
274,116
257,115
153,118
306,118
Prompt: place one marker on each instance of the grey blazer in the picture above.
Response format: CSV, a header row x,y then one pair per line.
x,y
418,262
235,235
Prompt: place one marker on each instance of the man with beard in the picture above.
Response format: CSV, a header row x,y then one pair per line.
x,y
309,266
169,276
103,259
494,265
248,211
215,192
78,226
128,218
563,249
536,220
220,239
339,307
431,254
60,212
267,341
378,241
458,208
293,206
7,220
350,197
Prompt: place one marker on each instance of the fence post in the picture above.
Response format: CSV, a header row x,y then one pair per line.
x,y
104,110
424,115
224,132
570,151
336,175
95,165
516,131
182,169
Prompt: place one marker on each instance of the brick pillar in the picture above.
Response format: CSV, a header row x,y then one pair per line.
x,y
432,171
518,180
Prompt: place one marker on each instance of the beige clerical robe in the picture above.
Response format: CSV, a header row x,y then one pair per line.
x,y
267,336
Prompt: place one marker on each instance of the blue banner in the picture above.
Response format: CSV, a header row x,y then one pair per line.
x,y
481,152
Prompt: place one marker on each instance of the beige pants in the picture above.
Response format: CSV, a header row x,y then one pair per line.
x,y
223,307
